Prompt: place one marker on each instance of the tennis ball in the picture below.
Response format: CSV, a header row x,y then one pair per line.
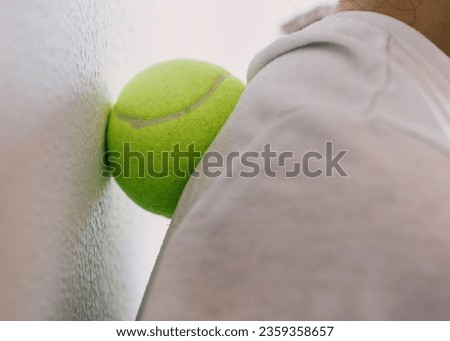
x,y
170,109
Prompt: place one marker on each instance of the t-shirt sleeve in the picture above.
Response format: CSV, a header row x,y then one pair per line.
x,y
365,239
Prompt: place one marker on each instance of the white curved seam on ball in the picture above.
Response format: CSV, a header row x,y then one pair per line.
x,y
138,123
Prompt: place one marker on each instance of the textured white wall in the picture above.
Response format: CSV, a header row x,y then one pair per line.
x,y
72,246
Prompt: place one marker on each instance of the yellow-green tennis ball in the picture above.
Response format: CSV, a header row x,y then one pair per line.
x,y
175,105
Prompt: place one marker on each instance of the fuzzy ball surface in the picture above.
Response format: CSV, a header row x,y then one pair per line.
x,y
164,120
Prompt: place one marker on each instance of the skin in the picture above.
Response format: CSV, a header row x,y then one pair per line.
x,y
430,17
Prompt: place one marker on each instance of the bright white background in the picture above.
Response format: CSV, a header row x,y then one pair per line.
x,y
228,33
73,246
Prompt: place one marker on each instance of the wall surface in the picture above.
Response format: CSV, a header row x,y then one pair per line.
x,y
72,245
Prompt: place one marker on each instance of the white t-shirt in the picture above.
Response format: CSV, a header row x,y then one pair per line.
x,y
374,244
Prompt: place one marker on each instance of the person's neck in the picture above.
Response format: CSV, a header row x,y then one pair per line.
x,y
430,17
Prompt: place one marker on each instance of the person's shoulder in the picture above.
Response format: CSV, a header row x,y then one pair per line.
x,y
364,38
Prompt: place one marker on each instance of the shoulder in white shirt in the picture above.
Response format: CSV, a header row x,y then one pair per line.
x,y
372,245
